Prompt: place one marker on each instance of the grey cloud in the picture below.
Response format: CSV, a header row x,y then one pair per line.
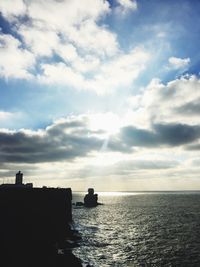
x,y
20,147
176,134
58,128
138,137
61,141
115,144
191,108
162,134
6,173
149,164
67,140
196,163
193,147
126,167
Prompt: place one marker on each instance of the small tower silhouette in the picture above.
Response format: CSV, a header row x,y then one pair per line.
x,y
19,178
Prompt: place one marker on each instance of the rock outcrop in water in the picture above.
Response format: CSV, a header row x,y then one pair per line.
x,y
90,199
34,225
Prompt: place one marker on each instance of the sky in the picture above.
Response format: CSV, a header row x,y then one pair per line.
x,y
99,93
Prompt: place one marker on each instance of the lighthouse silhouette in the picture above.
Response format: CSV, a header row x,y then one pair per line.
x,y
19,178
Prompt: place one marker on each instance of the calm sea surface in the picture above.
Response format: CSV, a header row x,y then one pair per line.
x,y
140,229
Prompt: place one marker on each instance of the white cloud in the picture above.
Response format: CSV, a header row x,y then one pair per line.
x,y
5,115
68,53
118,72
67,12
88,55
10,9
73,34
76,22
14,61
86,64
176,101
178,63
39,42
126,67
126,6
7,119
93,39
60,73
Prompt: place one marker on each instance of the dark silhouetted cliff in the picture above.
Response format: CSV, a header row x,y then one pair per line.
x,y
33,224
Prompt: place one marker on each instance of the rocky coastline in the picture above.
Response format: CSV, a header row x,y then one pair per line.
x,y
35,227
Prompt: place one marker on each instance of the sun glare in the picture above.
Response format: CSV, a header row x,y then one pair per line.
x,y
107,122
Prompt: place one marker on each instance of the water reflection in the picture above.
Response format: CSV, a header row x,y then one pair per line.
x,y
141,230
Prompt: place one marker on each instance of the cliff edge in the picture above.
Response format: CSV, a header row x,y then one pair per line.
x,y
33,224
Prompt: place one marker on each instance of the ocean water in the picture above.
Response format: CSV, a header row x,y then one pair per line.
x,y
140,229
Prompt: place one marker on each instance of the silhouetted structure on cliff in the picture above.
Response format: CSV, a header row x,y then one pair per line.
x,y
18,182
34,225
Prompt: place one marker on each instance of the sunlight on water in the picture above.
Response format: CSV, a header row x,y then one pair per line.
x,y
113,193
110,194
137,229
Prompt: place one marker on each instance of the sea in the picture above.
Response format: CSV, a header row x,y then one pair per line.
x,y
142,229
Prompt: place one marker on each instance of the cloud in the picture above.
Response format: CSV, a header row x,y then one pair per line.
x,y
73,23
75,137
189,109
76,24
15,61
174,102
125,168
124,6
71,48
115,73
130,165
7,119
139,137
93,39
76,12
46,146
41,43
66,139
4,115
11,9
193,147
178,63
177,134
60,73
161,135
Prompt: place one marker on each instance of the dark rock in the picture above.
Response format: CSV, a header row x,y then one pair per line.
x,y
79,204
90,199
